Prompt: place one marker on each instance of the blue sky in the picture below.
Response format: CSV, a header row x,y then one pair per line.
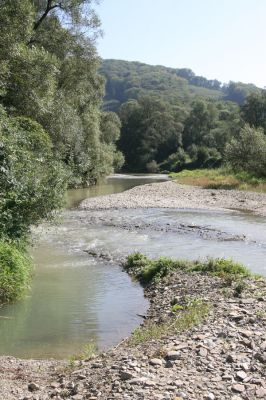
x,y
223,39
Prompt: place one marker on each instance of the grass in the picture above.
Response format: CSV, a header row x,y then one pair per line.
x,y
15,272
220,178
193,311
88,352
146,270
191,315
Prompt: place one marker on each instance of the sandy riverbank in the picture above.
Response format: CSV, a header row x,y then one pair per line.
x,y
172,195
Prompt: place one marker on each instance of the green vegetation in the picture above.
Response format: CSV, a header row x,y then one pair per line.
x,y
53,132
192,314
220,178
147,270
15,271
89,351
192,311
174,120
127,80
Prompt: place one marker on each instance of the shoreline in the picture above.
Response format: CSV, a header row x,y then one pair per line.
x,y
172,195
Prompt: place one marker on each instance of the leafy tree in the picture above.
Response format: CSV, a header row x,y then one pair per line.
x,y
254,110
248,151
27,171
149,132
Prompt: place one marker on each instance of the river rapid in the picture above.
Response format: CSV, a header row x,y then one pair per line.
x,y
79,296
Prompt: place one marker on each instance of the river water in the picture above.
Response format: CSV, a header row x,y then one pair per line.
x,y
74,299
77,298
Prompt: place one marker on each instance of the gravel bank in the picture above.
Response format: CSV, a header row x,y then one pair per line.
x,y
172,195
220,359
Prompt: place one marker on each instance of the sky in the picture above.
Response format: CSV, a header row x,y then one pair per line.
x,y
218,39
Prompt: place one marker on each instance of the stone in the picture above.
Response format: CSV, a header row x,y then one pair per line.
x,y
156,361
238,388
261,393
231,358
33,387
126,375
209,396
241,375
173,355
203,352
149,383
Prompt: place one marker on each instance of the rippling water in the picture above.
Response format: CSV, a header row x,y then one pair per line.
x,y
76,299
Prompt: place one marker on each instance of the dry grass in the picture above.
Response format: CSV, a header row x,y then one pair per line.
x,y
220,179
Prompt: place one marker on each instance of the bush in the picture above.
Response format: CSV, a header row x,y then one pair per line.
x,y
248,152
15,272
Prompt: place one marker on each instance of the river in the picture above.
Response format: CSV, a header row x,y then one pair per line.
x,y
77,298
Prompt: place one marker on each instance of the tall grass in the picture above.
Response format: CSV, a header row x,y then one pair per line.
x,y
147,270
220,178
15,272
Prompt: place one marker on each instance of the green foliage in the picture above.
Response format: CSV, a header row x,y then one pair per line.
x,y
220,178
193,314
49,72
150,132
220,267
147,270
27,171
248,151
15,272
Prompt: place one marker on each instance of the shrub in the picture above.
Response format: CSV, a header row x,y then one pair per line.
x,y
15,272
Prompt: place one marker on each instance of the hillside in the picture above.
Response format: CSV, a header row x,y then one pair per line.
x,y
129,80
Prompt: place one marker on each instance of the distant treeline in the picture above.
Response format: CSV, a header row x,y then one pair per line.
x,y
172,119
127,80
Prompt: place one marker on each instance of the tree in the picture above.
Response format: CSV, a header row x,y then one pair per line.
x,y
199,123
248,151
253,110
27,170
150,131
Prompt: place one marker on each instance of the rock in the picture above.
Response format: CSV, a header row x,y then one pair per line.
x,y
241,375
203,352
137,381
33,387
156,361
261,393
231,358
169,364
173,355
149,383
261,357
238,388
209,396
126,375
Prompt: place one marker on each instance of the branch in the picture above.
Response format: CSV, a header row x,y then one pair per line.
x,y
49,8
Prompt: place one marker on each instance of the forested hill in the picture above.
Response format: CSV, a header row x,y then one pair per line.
x,y
130,80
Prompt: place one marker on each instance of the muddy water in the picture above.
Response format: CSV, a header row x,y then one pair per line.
x,y
77,297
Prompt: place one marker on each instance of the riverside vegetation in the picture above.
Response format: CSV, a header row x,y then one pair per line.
x,y
59,128
53,132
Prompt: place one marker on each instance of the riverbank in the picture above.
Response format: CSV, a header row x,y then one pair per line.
x,y
218,350
173,195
